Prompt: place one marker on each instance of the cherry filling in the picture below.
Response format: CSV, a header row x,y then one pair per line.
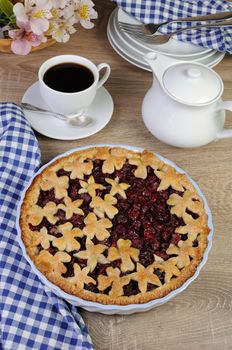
x,y
48,196
143,217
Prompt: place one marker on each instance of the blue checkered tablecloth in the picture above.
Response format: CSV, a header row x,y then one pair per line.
x,y
158,11
32,317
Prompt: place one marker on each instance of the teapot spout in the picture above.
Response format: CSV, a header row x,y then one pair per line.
x,y
159,64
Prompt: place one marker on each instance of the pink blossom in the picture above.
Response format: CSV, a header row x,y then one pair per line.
x,y
23,41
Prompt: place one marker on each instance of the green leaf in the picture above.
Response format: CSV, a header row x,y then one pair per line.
x,y
6,7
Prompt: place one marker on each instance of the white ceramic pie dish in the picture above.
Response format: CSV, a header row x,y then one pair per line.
x,y
115,309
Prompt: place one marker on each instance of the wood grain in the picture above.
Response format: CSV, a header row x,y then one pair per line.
x,y
200,317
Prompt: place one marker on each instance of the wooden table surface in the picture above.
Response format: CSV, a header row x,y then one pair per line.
x,y
200,317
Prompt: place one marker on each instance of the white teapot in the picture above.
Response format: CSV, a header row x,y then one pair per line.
x,y
183,107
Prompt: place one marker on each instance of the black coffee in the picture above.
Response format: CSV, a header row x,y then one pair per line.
x,y
68,77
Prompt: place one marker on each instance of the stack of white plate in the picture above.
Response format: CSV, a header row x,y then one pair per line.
x,y
133,50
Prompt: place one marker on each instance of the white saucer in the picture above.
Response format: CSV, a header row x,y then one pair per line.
x,y
101,111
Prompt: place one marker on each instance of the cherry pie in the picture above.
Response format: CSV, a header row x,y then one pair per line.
x,y
114,226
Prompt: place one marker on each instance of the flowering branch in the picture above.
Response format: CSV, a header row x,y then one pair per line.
x,y
30,22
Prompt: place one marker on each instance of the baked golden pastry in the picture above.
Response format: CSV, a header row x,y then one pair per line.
x,y
114,226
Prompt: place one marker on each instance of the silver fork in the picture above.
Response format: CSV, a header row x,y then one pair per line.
x,y
163,38
151,29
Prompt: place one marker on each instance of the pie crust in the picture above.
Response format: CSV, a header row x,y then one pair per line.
x,y
114,226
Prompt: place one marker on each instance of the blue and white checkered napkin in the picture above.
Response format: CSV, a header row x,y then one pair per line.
x,y
158,11
31,316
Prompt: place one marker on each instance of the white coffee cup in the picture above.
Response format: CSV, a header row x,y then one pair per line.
x,y
69,103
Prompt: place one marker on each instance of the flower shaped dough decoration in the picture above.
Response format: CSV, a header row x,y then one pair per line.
x,y
170,178
183,253
97,228
93,254
52,264
68,240
114,281
36,213
71,207
117,188
90,187
78,167
51,180
80,277
193,227
41,237
145,275
190,201
111,162
146,159
169,268
126,253
104,206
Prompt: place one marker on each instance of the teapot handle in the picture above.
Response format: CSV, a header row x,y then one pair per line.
x,y
224,133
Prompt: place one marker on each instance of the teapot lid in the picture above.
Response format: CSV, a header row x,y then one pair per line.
x,y
192,83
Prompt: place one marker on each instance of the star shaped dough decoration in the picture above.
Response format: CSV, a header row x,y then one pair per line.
x,y
170,178
67,242
114,281
193,227
190,201
117,187
183,253
104,206
126,253
36,213
90,187
169,268
80,277
52,264
71,207
146,159
95,227
78,167
40,237
111,162
93,254
145,275
51,180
